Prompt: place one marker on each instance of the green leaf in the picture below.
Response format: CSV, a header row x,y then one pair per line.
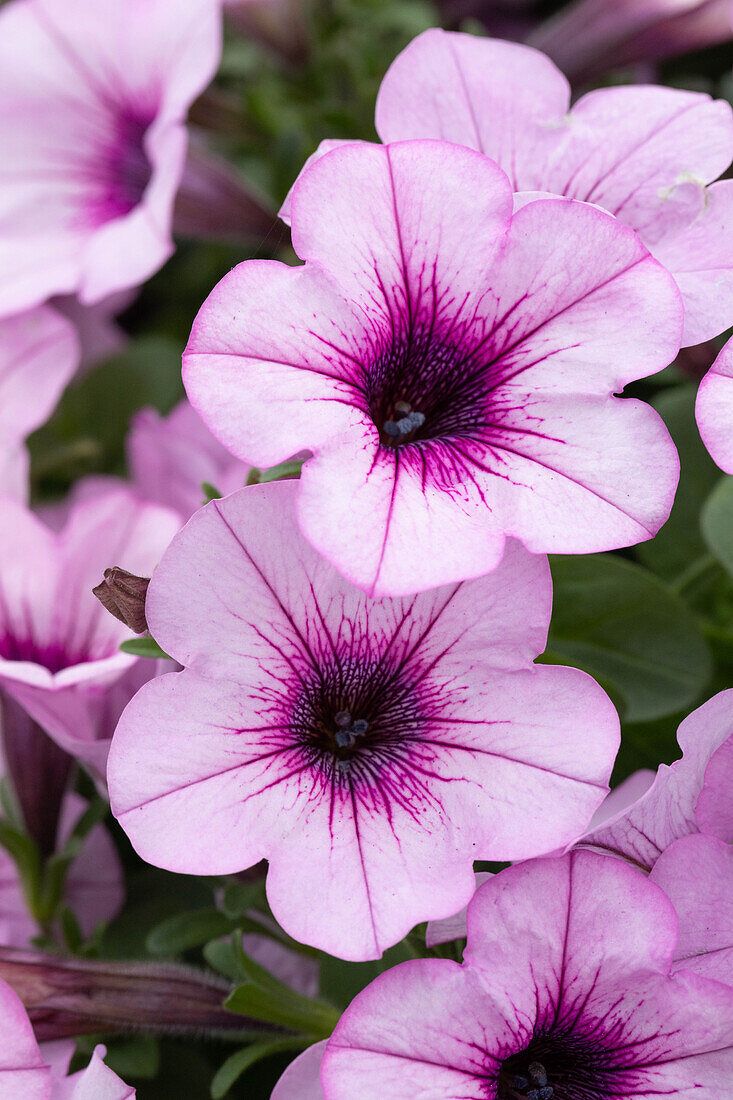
x,y
621,624
26,858
143,647
679,541
187,930
716,522
238,1063
136,1057
238,897
287,1009
210,492
274,473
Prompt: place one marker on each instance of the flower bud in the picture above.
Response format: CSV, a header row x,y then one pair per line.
x,y
39,771
69,997
123,595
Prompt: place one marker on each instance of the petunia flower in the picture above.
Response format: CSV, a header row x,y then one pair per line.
x,y
26,1074
94,96
679,829
39,353
370,750
666,810
59,648
642,152
450,365
714,409
565,993
170,457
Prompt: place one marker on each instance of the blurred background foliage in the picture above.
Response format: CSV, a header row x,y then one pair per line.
x,y
654,624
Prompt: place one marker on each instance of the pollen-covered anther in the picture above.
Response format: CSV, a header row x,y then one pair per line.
x,y
396,429
348,730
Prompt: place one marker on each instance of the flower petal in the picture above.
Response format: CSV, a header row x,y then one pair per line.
x,y
714,409
696,874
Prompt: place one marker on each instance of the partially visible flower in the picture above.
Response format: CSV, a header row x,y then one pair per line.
x,y
369,750
679,830
714,409
643,153
94,97
452,368
302,1078
588,38
696,874
39,353
99,334
566,992
667,809
26,1075
59,648
171,457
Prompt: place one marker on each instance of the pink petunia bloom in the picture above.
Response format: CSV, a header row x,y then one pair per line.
x,y
643,153
94,889
667,809
566,992
39,353
451,366
370,750
714,409
94,98
680,830
59,648
170,457
28,1073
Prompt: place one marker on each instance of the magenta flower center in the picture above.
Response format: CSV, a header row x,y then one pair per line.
x,y
424,386
355,718
122,170
558,1066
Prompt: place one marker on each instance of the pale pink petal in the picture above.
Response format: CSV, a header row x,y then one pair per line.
x,y
267,573
588,919
323,148
171,457
302,1078
396,523
419,1030
624,796
644,153
714,809
452,928
96,1082
496,97
696,874
112,528
666,812
270,362
39,353
714,409
23,1072
700,256
429,221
